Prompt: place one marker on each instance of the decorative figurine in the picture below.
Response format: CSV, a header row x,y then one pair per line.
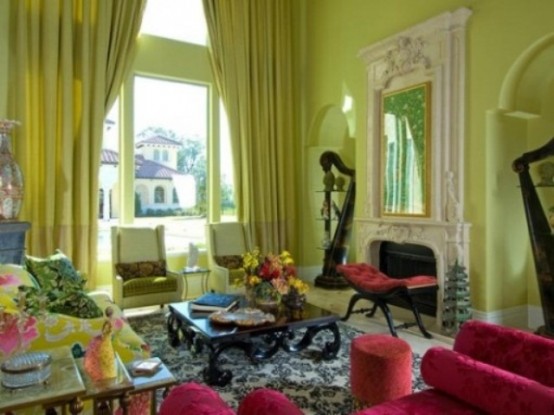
x,y
336,210
325,214
326,242
329,181
99,359
546,173
340,181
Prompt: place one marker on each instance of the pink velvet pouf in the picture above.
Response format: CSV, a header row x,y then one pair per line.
x,y
380,368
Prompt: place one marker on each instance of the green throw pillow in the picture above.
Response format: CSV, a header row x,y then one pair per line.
x,y
73,303
61,288
55,273
77,304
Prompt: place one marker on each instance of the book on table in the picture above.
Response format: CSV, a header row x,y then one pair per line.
x,y
214,302
146,367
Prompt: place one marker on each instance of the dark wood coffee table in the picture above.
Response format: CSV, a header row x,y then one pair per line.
x,y
196,331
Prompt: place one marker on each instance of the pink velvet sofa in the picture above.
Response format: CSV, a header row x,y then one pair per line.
x,y
490,370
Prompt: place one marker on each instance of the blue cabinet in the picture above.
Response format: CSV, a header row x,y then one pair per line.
x,y
12,241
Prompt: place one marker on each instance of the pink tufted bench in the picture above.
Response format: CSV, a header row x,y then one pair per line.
x,y
373,285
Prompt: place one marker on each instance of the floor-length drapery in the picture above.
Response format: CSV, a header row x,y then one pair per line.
x,y
69,59
252,58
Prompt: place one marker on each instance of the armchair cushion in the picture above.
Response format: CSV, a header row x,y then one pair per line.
x,y
140,269
229,261
489,388
150,285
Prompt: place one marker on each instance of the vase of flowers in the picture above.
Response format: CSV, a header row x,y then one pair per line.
x,y
269,277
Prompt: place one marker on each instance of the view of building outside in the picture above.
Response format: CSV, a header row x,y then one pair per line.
x,y
171,128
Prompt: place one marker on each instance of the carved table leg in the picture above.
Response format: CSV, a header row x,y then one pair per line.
x,y
329,350
124,402
173,328
215,376
103,407
76,406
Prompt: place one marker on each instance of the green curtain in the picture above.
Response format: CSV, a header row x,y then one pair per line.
x,y
251,52
69,58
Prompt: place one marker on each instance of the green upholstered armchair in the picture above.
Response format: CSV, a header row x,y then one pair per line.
x,y
140,274
226,243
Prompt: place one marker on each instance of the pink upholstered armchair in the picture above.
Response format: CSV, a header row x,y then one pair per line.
x,y
491,370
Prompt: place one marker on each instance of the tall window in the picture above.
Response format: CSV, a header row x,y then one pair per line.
x,y
171,132
167,121
181,20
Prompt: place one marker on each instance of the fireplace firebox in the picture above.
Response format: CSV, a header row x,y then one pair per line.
x,y
403,260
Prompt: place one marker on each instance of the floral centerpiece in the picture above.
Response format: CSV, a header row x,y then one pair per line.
x,y
270,277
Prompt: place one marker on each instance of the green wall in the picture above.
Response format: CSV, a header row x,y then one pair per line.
x,y
499,31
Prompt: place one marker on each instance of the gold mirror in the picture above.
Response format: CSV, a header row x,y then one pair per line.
x,y
406,152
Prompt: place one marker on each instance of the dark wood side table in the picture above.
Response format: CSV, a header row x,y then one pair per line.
x,y
162,379
12,241
104,392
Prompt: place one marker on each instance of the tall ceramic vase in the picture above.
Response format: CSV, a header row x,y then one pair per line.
x,y
11,178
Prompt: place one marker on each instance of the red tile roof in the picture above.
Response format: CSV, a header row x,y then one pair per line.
x,y
158,140
149,169
144,169
109,157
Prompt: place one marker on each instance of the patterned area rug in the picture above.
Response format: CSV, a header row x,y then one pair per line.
x,y
318,387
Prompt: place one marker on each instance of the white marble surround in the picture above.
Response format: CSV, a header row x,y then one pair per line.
x,y
433,51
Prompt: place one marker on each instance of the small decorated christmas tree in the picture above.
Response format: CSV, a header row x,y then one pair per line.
x,y
457,302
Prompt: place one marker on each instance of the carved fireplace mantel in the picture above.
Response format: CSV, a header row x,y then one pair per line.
x,y
433,53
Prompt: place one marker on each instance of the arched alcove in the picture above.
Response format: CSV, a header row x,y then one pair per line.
x,y
523,121
328,128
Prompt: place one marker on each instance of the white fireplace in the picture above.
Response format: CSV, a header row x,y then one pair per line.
x,y
432,52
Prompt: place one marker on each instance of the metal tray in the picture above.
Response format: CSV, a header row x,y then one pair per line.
x,y
243,317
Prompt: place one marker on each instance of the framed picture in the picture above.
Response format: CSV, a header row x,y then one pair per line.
x,y
406,151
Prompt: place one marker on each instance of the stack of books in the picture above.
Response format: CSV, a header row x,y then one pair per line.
x,y
214,302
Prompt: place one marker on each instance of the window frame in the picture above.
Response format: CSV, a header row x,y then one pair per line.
x,y
147,64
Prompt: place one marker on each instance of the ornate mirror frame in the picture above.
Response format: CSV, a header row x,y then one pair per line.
x,y
432,53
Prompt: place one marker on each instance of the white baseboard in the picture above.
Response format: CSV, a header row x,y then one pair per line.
x,y
524,317
536,318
